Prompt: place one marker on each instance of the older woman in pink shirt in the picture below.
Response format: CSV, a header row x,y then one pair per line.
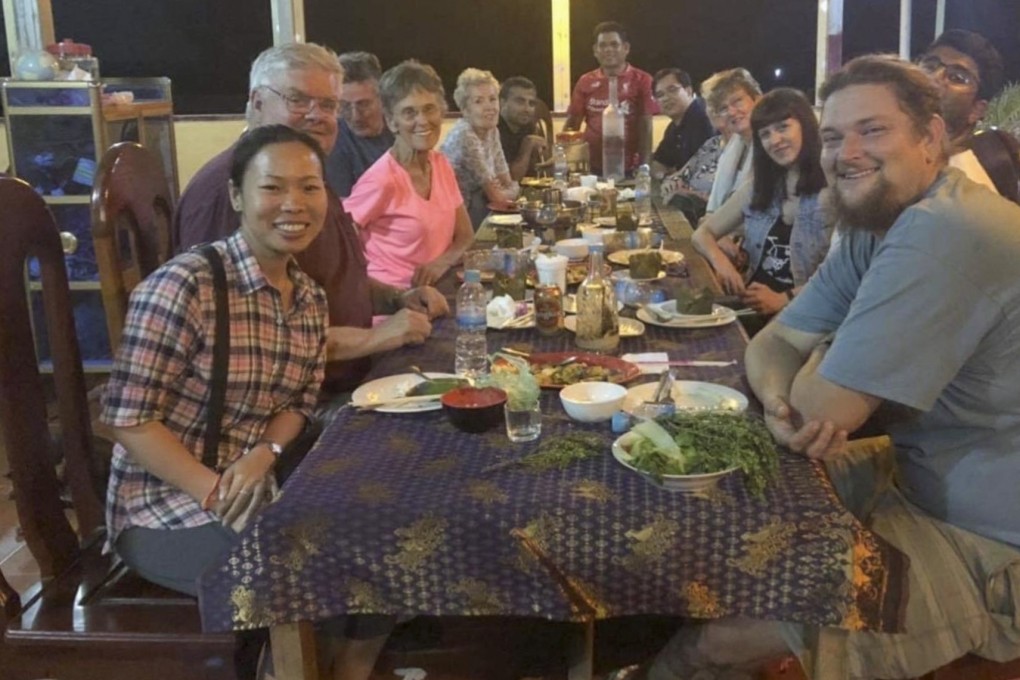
x,y
412,216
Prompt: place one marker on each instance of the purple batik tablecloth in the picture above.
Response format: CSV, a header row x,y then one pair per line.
x,y
397,514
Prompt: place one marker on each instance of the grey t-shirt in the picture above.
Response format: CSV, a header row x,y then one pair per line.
x,y
928,317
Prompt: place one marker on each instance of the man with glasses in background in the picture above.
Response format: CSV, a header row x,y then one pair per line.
x,y
689,125
634,94
968,72
298,85
363,136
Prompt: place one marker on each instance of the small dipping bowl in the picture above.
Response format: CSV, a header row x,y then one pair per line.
x,y
474,409
572,248
592,402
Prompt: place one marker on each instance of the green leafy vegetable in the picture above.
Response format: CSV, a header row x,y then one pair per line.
x,y
700,443
556,452
435,386
519,383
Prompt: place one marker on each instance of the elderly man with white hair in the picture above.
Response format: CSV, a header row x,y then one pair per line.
x,y
298,85
473,145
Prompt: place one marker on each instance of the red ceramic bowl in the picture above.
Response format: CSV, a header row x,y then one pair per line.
x,y
474,409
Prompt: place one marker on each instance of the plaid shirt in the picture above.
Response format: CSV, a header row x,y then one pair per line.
x,y
163,372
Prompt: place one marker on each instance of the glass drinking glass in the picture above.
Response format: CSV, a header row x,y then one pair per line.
x,y
523,423
511,275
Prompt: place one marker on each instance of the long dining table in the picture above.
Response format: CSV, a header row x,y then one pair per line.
x,y
403,514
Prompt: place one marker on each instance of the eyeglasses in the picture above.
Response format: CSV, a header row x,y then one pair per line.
x,y
670,91
411,113
737,102
955,74
302,103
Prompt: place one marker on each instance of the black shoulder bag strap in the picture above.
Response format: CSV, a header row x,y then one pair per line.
x,y
221,348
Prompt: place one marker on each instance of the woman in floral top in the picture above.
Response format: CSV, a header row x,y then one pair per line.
x,y
473,146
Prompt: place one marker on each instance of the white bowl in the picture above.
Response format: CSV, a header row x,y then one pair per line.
x,y
700,486
595,234
592,402
572,248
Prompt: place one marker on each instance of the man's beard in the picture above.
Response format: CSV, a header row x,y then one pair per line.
x,y
874,212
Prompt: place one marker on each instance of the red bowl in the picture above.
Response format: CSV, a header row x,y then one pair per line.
x,y
474,409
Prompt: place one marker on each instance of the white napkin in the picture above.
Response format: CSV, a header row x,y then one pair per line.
x,y
581,194
651,358
500,310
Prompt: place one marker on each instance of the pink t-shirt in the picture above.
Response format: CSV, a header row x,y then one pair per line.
x,y
399,228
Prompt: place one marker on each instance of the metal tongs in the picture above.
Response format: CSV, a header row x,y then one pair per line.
x,y
662,403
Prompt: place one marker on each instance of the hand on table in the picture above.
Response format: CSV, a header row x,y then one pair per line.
x,y
409,326
763,299
245,488
814,439
730,280
427,300
427,274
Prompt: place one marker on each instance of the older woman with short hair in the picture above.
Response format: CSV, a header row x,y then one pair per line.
x,y
407,204
473,146
732,95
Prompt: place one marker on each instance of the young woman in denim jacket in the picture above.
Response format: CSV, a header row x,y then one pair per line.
x,y
786,232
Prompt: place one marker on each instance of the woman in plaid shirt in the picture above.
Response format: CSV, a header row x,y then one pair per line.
x,y
168,515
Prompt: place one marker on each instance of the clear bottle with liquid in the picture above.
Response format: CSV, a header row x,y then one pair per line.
x,y
643,195
598,323
560,167
613,146
470,349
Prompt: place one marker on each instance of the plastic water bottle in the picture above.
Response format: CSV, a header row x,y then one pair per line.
x,y
471,353
643,194
613,147
560,169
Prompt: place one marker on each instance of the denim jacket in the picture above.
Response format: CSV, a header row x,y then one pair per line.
x,y
809,237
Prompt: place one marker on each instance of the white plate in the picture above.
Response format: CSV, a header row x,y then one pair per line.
x,y
689,395
393,386
720,316
629,328
692,485
622,257
506,220
570,304
624,275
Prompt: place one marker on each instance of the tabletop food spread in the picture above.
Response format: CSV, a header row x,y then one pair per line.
x,y
396,510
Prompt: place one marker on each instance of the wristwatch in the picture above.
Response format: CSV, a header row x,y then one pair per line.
x,y
276,449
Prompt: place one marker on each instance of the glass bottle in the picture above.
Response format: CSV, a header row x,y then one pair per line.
x,y
613,148
598,325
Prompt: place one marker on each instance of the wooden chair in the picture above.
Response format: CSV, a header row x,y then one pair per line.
x,y
543,119
967,668
88,617
132,214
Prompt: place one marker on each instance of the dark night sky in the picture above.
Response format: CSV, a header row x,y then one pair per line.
x,y
184,39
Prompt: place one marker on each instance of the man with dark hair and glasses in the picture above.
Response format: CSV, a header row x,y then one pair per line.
x,y
363,136
689,125
968,71
298,85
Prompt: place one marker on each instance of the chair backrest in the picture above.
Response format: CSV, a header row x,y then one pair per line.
x,y
999,154
132,214
29,231
543,118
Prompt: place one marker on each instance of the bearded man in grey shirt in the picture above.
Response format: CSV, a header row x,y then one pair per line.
x,y
917,312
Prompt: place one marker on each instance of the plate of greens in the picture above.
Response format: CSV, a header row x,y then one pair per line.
x,y
690,452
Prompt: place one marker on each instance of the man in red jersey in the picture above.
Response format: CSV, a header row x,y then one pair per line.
x,y
634,92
